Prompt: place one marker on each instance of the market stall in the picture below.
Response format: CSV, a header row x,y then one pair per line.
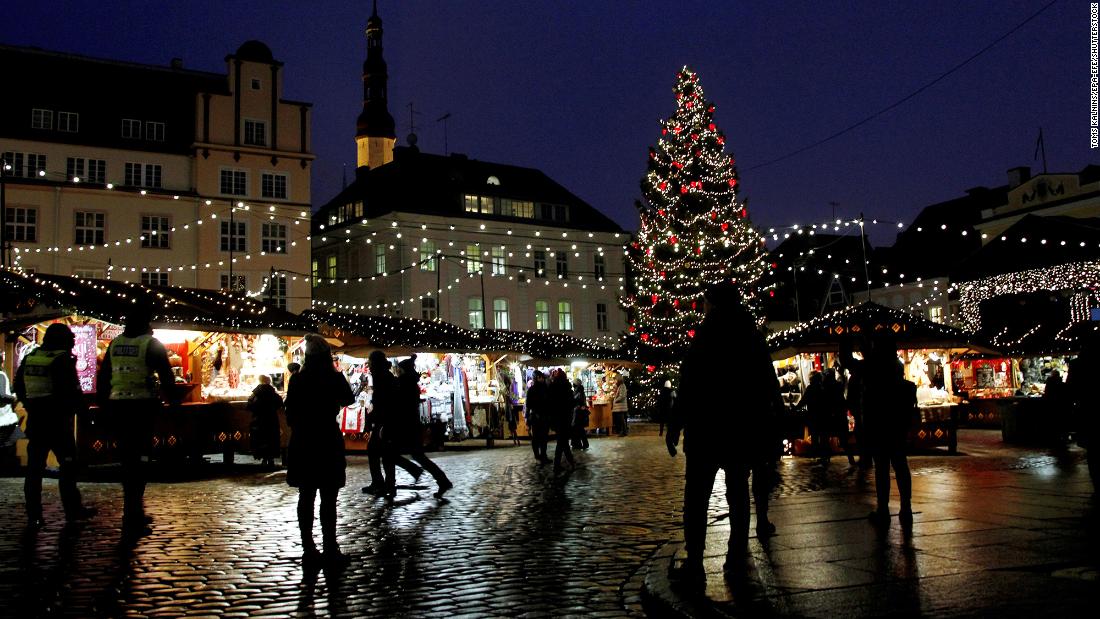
x,y
218,343
925,349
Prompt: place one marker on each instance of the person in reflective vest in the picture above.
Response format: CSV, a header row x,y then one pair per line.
x,y
127,389
48,386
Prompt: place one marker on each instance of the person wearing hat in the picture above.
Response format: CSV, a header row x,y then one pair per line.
x,y
383,421
408,437
127,389
47,384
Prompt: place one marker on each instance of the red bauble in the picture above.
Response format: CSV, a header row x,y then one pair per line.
x,y
775,265
664,131
693,305
661,212
713,215
733,182
691,332
676,303
711,126
695,136
630,328
711,109
677,130
662,186
688,105
721,140
698,250
645,337
771,293
650,368
683,189
672,239
663,274
745,212
725,226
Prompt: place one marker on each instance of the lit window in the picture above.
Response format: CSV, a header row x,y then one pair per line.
x,y
330,267
935,313
565,316
473,259
471,204
476,313
542,315
500,313
497,260
427,256
379,259
315,271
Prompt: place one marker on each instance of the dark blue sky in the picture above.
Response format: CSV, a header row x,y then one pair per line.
x,y
575,88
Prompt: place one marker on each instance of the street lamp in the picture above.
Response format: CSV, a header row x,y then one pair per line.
x,y
4,168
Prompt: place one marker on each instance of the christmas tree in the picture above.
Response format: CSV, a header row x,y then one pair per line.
x,y
693,233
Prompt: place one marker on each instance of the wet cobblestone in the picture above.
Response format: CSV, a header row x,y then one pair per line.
x,y
510,541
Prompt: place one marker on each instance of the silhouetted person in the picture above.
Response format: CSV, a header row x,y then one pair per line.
x,y
509,405
1082,371
127,389
816,400
854,397
315,455
1057,406
561,411
738,439
408,432
384,417
889,407
620,407
539,416
264,403
666,397
47,384
293,368
836,423
581,414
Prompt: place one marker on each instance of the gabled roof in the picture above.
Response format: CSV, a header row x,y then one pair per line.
x,y
422,183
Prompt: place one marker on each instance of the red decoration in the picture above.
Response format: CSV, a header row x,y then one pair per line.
x,y
771,293
713,215
645,337
733,182
630,328
672,239
721,140
664,131
725,226
663,274
662,186
745,213
683,189
661,212
676,303
711,126
698,250
650,368
653,298
691,332
677,130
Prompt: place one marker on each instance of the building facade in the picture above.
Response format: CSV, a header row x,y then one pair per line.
x,y
162,175
478,244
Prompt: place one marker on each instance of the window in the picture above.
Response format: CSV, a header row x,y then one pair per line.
x,y
497,260
255,84
601,316
13,163
476,313
234,236
273,238
471,204
273,185
74,168
427,256
600,265
473,259
88,273
330,267
97,171
154,131
41,119
234,182
155,231
561,259
540,263
546,211
542,315
315,271
154,279
142,175
561,212
255,133
379,259
68,121
523,209
428,310
21,224
935,313
234,283
500,313
276,291
36,164
131,128
89,228
565,316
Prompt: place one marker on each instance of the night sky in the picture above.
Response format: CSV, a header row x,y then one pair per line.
x,y
575,88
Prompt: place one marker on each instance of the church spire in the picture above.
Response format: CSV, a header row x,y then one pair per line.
x,y
375,134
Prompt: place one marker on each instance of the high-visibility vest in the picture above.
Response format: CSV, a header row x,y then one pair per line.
x,y
37,376
131,378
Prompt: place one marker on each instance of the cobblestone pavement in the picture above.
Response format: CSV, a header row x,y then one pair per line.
x,y
510,541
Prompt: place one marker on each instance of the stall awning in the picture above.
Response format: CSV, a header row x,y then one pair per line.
x,y
824,334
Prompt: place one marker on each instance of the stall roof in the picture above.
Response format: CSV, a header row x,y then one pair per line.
x,y
32,298
398,334
867,319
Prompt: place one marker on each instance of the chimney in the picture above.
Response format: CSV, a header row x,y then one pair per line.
x,y
1018,176
177,63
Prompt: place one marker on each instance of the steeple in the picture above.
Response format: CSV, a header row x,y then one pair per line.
x,y
375,135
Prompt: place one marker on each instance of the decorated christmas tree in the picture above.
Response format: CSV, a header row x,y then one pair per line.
x,y
694,232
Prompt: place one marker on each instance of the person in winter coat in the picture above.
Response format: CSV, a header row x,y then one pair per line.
x,y
408,435
560,395
889,408
580,416
539,416
385,421
620,406
666,397
47,384
738,440
264,403
315,455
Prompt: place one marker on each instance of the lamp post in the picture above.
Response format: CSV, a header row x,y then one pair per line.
x,y
4,166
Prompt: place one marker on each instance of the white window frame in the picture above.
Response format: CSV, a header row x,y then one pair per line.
x,y
97,171
500,313
427,256
542,315
540,263
561,264
429,309
74,168
268,179
237,182
162,225
240,279
237,239
154,131
599,266
131,129
68,122
565,315
273,237
28,227
278,291
473,259
601,316
36,162
98,232
83,273
475,313
249,128
331,261
41,119
379,259
497,256
161,277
